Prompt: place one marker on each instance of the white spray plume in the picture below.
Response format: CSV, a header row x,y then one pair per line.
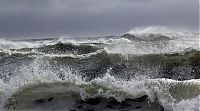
x,y
150,29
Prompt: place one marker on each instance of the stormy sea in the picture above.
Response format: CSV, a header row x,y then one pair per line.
x,y
131,72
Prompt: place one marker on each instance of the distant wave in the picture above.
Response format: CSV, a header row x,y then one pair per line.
x,y
152,33
146,37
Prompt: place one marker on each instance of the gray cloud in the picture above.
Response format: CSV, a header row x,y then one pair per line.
x,y
24,18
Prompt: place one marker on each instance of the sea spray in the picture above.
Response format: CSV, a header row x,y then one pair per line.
x,y
107,73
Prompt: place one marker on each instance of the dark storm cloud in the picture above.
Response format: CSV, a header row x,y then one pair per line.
x,y
93,17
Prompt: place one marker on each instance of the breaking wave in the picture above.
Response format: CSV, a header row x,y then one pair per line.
x,y
141,71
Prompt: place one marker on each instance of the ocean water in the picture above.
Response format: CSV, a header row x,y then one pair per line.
x,y
141,71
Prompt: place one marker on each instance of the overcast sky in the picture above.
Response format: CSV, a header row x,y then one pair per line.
x,y
54,18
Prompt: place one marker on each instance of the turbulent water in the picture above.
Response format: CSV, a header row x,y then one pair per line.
x,y
136,72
